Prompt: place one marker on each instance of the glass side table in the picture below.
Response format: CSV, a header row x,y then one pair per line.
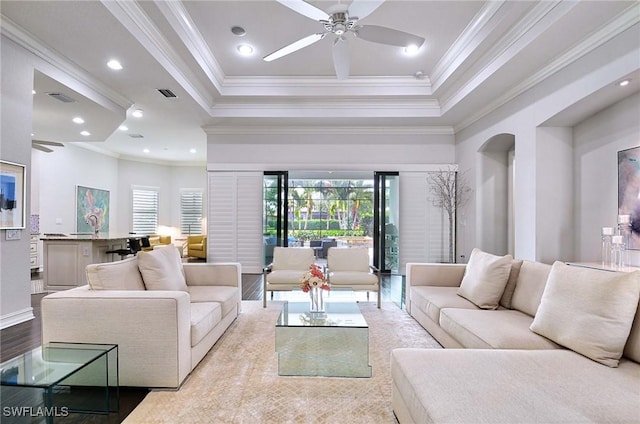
x,y
57,379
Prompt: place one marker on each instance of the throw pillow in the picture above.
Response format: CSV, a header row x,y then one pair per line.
x,y
589,311
118,275
161,269
485,278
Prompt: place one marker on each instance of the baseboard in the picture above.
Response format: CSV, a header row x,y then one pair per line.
x,y
17,317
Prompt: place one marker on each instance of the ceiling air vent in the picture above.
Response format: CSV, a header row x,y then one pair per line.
x,y
167,93
136,136
62,97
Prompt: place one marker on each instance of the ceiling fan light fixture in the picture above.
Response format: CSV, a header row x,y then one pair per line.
x,y
245,49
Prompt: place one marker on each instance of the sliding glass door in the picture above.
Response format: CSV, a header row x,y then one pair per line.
x,y
386,212
275,212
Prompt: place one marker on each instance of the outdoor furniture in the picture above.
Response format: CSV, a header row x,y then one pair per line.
x,y
316,245
326,245
284,273
349,268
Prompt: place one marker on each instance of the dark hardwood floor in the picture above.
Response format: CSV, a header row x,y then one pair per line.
x,y
27,336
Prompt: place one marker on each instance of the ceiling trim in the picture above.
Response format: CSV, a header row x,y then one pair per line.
x,y
136,21
482,24
109,98
534,23
619,24
315,130
183,25
327,86
423,109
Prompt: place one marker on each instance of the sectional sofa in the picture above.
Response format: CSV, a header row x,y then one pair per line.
x,y
164,315
526,342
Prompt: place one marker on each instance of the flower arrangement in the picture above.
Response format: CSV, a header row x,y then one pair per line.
x,y
314,278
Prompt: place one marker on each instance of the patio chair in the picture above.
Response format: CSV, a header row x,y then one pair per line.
x,y
284,273
349,268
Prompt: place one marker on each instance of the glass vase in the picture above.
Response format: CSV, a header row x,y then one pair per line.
x,y
317,302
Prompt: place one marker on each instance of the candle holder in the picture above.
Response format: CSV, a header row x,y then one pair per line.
x,y
607,234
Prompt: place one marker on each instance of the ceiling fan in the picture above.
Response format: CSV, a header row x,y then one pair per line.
x,y
40,145
341,20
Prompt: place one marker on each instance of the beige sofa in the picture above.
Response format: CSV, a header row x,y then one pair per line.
x,y
546,351
164,315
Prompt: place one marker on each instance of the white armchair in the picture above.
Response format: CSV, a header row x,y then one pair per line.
x,y
349,268
284,273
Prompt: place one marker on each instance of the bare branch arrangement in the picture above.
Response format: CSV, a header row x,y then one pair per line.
x,y
450,191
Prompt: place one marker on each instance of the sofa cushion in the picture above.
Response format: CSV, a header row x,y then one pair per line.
x,y
485,278
431,299
227,296
285,277
501,329
161,269
353,278
204,316
118,275
532,279
514,386
507,295
632,348
589,311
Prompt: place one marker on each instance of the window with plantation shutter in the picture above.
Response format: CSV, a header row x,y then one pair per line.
x,y
191,211
144,206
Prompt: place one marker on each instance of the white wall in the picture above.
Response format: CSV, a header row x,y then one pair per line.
x,y
60,172
597,141
544,167
16,105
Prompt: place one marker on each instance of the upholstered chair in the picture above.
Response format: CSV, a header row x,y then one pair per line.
x,y
285,272
197,246
349,268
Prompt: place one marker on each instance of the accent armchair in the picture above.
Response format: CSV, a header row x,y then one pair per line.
x,y
349,268
284,273
197,246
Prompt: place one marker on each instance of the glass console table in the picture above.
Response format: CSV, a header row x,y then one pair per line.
x,y
60,378
334,343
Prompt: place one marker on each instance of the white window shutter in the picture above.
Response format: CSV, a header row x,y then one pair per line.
x,y
144,210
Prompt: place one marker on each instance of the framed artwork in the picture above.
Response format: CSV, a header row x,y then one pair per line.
x,y
13,193
92,210
629,191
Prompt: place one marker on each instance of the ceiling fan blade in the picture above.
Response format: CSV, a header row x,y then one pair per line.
x,y
305,9
384,35
47,143
42,148
295,46
341,57
363,8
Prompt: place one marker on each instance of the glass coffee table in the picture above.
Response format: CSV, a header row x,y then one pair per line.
x,y
334,343
59,378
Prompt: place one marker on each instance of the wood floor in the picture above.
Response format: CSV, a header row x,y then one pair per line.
x,y
27,336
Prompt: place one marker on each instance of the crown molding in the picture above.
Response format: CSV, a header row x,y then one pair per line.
x,y
539,18
111,99
473,35
331,130
136,21
619,24
183,25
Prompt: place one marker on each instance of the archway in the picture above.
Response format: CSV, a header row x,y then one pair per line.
x,y
495,195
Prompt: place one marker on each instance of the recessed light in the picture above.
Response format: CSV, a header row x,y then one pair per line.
x,y
33,91
137,113
238,30
624,83
192,150
123,128
85,133
114,64
146,150
245,49
78,120
411,49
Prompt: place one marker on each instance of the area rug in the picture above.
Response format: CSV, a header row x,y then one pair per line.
x,y
238,382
